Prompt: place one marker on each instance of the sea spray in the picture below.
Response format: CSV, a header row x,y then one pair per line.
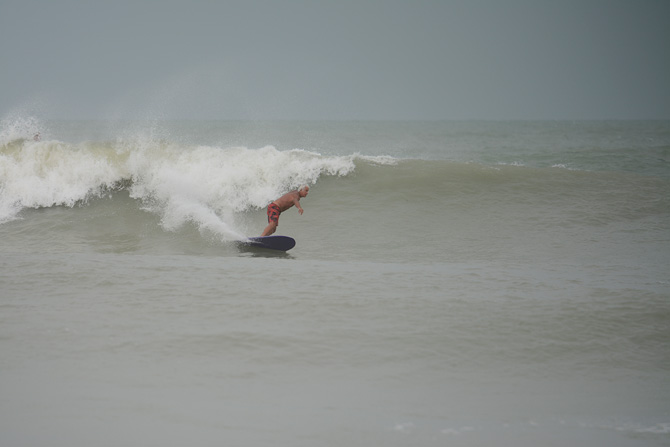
x,y
20,127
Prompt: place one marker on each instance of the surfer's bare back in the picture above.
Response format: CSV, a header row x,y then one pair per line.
x,y
282,204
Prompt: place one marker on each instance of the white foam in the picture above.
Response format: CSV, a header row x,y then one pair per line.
x,y
516,164
208,186
203,185
456,432
658,429
37,174
378,160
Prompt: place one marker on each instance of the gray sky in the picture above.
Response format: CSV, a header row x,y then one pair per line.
x,y
340,59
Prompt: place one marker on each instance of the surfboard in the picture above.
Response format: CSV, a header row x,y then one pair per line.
x,y
282,243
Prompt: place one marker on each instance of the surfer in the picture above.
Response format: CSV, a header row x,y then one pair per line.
x,y
282,204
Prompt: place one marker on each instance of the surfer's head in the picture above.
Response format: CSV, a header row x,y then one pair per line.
x,y
303,191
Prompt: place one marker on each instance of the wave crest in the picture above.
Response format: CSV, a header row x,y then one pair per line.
x,y
203,185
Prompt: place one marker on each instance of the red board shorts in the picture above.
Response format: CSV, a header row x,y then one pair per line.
x,y
273,213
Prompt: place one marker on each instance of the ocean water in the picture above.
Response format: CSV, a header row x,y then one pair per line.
x,y
453,283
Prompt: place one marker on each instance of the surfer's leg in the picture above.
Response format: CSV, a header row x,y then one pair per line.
x,y
273,219
271,228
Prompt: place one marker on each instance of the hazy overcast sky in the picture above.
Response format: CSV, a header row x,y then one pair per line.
x,y
341,59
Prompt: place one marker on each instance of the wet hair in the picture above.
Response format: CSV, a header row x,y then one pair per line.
x,y
303,187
